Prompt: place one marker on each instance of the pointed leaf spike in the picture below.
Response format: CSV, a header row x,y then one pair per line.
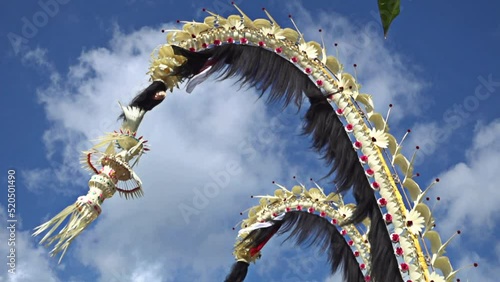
x,y
412,160
239,222
279,185
443,247
323,48
317,186
336,49
301,36
270,17
302,185
356,73
404,137
451,275
247,20
422,195
387,117
212,14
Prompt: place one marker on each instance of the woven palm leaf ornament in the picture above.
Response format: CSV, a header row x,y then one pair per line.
x,y
110,161
345,129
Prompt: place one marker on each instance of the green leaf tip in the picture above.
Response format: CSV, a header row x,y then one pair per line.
x,y
389,10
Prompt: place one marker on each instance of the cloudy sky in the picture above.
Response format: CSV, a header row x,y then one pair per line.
x,y
66,64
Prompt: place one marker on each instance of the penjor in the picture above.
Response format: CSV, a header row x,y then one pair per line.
x,y
111,162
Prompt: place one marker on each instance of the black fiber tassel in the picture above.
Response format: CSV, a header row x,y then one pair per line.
x,y
145,100
238,272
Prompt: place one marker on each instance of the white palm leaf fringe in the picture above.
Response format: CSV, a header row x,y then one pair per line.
x,y
76,224
115,175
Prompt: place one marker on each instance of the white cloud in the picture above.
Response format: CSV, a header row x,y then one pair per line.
x,y
193,137
37,58
468,189
32,263
334,278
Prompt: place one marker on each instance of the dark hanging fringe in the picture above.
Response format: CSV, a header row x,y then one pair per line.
x,y
331,140
264,70
384,263
256,68
145,100
313,230
238,272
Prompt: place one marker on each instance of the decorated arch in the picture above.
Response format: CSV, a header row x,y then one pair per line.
x,y
385,234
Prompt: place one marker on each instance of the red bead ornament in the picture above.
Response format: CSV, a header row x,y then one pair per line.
x,y
399,251
388,218
262,43
294,59
395,237
357,145
230,40
243,40
404,267
382,202
363,159
217,42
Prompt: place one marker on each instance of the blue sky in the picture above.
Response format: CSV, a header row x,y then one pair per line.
x,y
62,84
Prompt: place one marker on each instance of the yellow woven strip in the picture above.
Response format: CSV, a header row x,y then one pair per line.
x,y
416,242
399,200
